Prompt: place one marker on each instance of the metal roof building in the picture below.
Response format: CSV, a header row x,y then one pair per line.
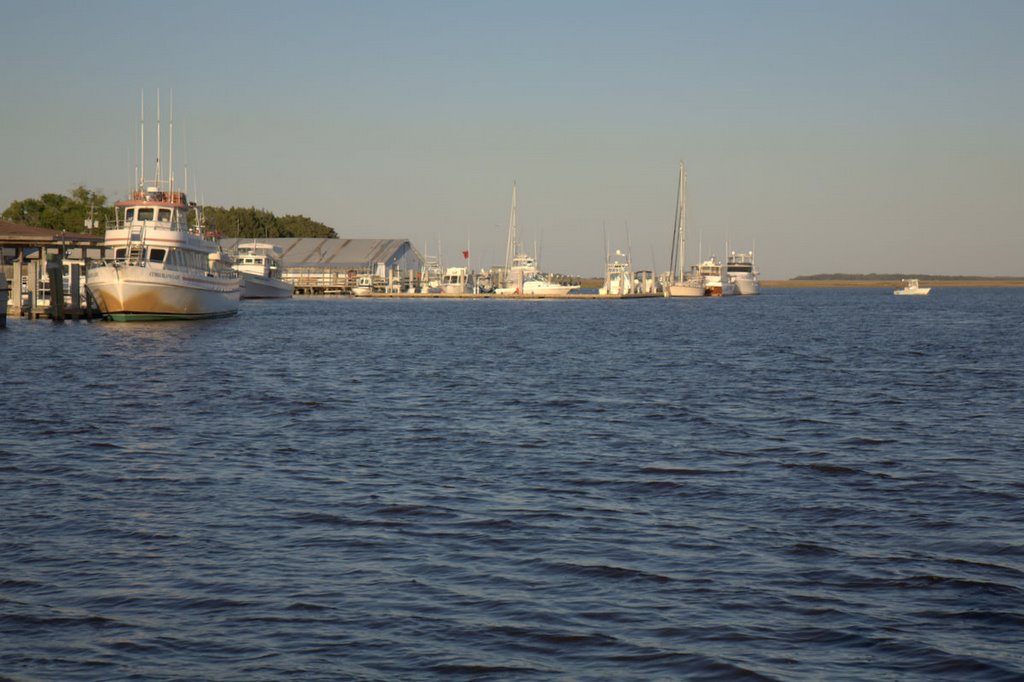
x,y
318,265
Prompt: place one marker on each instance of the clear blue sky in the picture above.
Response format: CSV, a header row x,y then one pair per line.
x,y
858,136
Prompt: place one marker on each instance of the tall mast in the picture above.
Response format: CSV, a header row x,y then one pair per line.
x,y
159,175
513,238
141,175
679,234
185,145
170,147
682,221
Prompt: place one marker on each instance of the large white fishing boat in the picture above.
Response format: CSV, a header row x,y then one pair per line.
x,y
164,265
521,275
682,284
259,265
716,279
740,268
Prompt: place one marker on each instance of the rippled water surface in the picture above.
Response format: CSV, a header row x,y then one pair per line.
x,y
805,485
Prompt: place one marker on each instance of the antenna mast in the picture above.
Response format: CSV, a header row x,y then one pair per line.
x,y
140,174
159,175
170,147
185,135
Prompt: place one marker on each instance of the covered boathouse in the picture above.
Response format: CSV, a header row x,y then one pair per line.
x,y
45,270
332,266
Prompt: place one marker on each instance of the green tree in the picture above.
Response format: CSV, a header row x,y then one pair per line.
x,y
258,223
70,213
301,226
60,212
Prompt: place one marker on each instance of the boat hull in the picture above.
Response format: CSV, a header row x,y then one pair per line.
x,y
685,290
747,287
133,293
916,292
549,290
257,286
544,289
720,289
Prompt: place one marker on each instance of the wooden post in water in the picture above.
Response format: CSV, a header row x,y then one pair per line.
x,y
15,284
32,290
4,291
75,282
55,273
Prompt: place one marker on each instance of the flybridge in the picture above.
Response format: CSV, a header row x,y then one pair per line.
x,y
152,194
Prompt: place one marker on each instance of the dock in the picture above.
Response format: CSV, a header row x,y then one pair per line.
x,y
46,275
513,297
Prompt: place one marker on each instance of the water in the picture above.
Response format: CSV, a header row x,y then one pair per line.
x,y
805,485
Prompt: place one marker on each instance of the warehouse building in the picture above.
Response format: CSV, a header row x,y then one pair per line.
x,y
332,266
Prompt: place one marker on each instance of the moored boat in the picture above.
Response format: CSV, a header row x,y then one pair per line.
x,y
260,268
363,286
682,284
618,277
165,266
740,268
539,285
716,279
521,275
430,276
456,280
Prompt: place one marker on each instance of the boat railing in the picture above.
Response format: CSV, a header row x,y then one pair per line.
x,y
157,195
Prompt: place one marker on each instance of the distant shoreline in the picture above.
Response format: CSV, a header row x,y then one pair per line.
x,y
884,283
594,282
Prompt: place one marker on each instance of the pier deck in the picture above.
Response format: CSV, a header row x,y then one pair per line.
x,y
512,297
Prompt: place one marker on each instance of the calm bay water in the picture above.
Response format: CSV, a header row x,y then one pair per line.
x,y
805,485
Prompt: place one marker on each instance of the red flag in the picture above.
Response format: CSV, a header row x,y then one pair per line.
x,y
465,254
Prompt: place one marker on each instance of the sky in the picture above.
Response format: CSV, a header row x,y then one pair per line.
x,y
828,136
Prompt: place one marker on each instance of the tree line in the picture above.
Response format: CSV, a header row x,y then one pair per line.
x,y
885,277
85,210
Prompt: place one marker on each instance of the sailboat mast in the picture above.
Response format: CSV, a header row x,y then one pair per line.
x,y
679,233
513,238
682,221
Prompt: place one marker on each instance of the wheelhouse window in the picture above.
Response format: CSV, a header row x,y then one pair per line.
x,y
145,214
129,215
165,215
157,255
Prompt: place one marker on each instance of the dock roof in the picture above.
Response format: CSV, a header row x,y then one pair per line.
x,y
310,251
17,234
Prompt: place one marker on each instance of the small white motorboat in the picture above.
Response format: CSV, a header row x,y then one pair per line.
x,y
912,288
